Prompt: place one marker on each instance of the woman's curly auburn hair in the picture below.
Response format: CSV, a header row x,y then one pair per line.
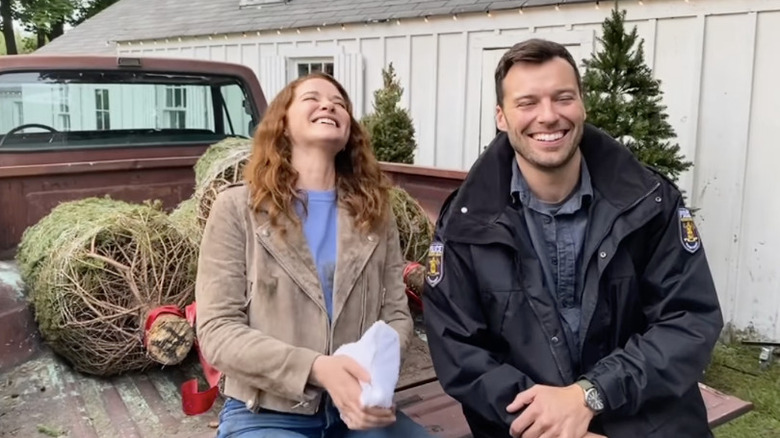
x,y
361,186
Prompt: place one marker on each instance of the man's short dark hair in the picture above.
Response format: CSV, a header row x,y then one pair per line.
x,y
533,51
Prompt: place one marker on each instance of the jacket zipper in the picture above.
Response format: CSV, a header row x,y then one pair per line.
x,y
250,294
363,301
328,326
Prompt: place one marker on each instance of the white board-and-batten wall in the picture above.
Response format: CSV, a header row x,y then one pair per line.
x,y
719,67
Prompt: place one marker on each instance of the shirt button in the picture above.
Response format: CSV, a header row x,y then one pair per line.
x,y
371,238
265,233
603,254
547,219
554,339
554,261
657,199
464,210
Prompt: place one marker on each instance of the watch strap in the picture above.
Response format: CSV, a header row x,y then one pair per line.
x,y
585,384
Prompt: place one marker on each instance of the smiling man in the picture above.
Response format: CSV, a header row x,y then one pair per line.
x,y
568,294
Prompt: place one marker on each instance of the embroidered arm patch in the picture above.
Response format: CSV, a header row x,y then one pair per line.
x,y
689,235
434,271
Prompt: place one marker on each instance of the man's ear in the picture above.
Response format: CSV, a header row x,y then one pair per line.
x,y
500,119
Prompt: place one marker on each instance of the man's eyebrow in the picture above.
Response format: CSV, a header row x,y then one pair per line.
x,y
534,96
524,96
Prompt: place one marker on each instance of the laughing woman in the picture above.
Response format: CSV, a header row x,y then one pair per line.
x,y
300,259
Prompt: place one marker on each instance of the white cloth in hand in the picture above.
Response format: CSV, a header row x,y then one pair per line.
x,y
379,352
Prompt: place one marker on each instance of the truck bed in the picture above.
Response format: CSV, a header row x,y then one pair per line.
x,y
45,397
41,395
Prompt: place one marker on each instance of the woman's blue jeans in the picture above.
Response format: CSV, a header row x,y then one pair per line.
x,y
236,421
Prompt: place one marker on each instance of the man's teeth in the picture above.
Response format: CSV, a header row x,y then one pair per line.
x,y
549,136
326,122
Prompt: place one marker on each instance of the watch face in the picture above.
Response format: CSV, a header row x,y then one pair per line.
x,y
594,400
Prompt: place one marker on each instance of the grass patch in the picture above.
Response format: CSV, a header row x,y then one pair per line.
x,y
734,370
49,431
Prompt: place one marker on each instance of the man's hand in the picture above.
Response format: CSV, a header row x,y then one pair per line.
x,y
551,412
341,377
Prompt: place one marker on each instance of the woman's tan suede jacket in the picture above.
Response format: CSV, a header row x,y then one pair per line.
x,y
261,317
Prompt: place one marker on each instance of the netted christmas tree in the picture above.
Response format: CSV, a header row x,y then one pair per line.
x,y
623,99
390,126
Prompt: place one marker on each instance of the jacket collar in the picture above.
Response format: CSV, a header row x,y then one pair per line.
x,y
616,175
291,251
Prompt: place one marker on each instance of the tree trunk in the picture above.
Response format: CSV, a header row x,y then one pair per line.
x,y
57,29
8,27
41,38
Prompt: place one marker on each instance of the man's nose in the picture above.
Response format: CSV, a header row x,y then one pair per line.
x,y
547,113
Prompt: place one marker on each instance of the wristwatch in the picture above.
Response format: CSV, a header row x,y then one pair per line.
x,y
593,398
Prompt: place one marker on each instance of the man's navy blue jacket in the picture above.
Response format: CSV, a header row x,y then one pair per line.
x,y
650,312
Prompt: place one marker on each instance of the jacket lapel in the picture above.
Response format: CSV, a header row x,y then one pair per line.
x,y
292,253
353,249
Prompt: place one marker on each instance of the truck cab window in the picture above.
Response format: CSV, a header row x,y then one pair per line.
x,y
50,110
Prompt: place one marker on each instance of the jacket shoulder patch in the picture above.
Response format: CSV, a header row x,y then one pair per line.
x,y
434,271
689,235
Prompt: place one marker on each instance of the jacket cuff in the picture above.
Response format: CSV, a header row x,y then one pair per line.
x,y
302,360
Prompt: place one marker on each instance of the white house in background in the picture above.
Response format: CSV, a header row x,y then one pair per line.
x,y
716,58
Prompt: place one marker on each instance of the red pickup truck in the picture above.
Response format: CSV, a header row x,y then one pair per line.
x,y
132,128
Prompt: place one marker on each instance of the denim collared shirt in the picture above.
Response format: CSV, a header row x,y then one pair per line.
x,y
558,234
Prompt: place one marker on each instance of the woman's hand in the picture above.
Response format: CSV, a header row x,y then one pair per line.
x,y
341,377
